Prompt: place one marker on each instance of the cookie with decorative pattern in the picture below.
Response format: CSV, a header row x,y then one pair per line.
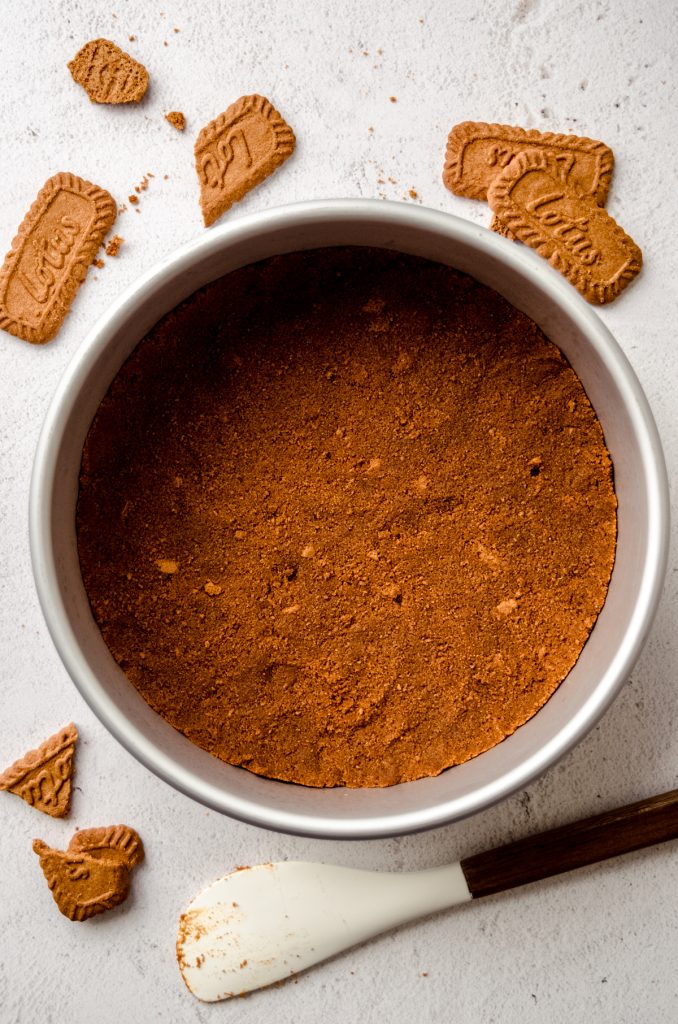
x,y
237,151
565,226
58,239
93,874
476,152
43,777
108,74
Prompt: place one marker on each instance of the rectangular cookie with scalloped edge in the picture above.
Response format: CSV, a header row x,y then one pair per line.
x,y
564,225
477,151
58,239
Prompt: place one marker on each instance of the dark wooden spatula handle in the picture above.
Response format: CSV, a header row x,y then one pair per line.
x,y
574,845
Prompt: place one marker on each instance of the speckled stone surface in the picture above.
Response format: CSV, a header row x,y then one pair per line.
x,y
596,946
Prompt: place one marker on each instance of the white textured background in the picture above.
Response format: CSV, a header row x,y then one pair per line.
x,y
600,945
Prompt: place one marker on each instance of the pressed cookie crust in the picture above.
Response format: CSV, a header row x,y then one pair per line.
x,y
346,518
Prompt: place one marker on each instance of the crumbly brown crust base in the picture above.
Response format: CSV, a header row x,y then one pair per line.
x,y
346,518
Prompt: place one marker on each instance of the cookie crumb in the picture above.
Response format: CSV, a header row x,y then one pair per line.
x,y
133,199
113,246
393,99
167,566
176,119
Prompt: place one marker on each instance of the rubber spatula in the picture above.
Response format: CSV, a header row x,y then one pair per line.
x,y
262,924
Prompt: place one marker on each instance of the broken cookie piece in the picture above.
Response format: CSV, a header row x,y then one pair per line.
x,y
237,151
92,876
43,777
108,74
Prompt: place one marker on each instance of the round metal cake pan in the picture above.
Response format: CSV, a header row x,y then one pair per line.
x,y
531,285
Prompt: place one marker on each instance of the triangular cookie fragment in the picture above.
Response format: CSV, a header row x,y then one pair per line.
x,y
237,151
43,776
118,843
82,886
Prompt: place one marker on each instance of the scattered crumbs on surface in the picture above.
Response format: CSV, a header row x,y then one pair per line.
x,y
370,130
176,30
424,974
165,177
122,208
413,194
133,199
132,39
379,52
393,99
366,53
176,119
165,43
99,263
150,174
113,246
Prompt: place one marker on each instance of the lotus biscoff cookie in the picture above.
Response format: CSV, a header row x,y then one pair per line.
x,y
477,152
56,242
43,776
93,875
237,151
565,226
108,74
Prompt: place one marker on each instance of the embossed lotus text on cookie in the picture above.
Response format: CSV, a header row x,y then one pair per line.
x,y
43,777
237,151
92,876
477,152
568,228
58,239
108,74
